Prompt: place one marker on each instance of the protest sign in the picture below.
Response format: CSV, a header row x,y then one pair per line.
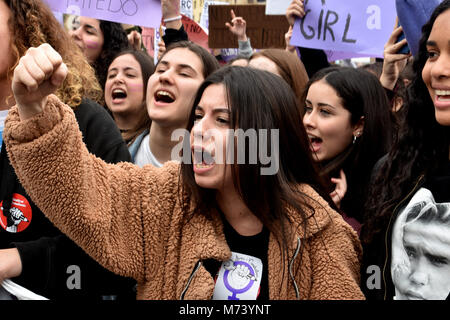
x,y
186,8
264,31
338,55
197,9
361,26
277,7
204,18
145,13
195,32
148,39
151,36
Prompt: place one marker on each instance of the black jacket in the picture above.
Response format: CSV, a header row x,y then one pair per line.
x,y
53,266
376,280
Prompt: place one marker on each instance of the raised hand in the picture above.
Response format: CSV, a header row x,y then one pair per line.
x,y
295,10
238,26
135,40
341,188
287,39
393,62
171,9
40,72
161,48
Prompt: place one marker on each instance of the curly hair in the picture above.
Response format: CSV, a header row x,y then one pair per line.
x,y
32,23
115,41
421,149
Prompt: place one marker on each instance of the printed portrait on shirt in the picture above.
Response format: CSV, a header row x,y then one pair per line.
x,y
420,266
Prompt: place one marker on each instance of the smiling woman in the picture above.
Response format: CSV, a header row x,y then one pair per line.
x,y
418,162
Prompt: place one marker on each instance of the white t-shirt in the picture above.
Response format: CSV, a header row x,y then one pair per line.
x,y
144,155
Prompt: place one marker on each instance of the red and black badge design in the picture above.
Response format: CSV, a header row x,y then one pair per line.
x,y
19,216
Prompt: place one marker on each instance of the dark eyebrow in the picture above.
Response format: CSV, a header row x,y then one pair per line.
x,y
320,104
184,66
125,69
218,110
88,26
224,110
432,43
180,66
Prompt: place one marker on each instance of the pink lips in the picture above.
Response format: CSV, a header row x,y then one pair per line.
x,y
441,103
315,146
315,142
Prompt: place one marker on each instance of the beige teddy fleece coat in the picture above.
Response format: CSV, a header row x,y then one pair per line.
x,y
133,222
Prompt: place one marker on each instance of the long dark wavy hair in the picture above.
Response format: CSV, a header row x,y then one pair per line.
x,y
261,100
363,96
115,41
422,147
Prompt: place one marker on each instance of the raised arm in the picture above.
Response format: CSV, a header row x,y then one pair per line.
x,y
393,62
238,27
313,59
172,20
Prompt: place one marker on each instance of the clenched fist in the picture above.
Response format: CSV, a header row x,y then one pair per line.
x,y
39,73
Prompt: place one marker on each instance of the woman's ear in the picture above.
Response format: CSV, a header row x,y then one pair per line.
x,y
359,127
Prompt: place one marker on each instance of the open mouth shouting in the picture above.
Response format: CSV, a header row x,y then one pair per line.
x,y
315,142
203,159
118,95
164,97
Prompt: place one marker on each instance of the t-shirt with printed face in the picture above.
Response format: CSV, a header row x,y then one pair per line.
x,y
420,265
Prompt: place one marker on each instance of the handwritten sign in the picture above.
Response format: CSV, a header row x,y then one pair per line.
x,y
186,8
277,7
145,13
198,9
361,26
195,32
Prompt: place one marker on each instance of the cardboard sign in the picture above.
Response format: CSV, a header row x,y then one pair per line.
x,y
264,31
361,26
145,13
